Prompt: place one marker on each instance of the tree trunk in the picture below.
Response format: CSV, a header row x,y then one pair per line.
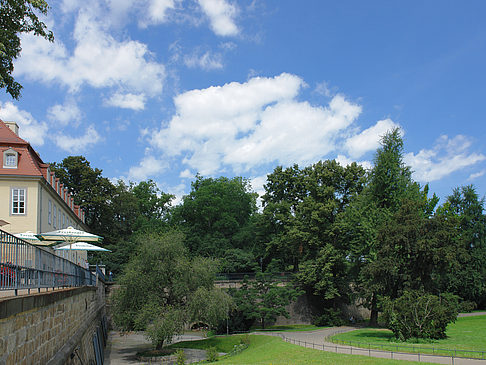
x,y
159,345
263,323
374,311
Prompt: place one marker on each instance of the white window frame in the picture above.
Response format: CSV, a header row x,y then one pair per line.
x,y
55,217
18,201
10,155
59,217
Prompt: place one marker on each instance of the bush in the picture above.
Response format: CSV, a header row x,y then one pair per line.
x,y
180,357
330,317
212,354
467,306
420,315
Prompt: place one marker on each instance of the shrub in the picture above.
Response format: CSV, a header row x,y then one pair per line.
x,y
420,315
180,357
467,306
330,317
212,354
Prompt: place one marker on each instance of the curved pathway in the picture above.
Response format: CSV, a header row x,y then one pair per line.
x,y
316,339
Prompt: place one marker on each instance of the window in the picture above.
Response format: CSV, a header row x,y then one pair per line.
x,y
59,217
18,201
63,220
55,217
10,158
49,215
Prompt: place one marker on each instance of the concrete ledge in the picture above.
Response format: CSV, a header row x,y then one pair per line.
x,y
14,305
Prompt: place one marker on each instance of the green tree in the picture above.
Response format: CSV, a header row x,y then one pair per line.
x,y
465,210
17,17
264,298
301,207
158,285
389,183
216,216
417,314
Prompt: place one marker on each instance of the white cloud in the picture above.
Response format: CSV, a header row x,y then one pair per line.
x,y
127,101
476,175
345,161
369,139
447,156
78,144
187,174
156,12
207,61
149,166
221,15
64,114
244,125
98,60
30,129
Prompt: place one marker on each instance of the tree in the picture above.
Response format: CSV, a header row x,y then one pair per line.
x,y
301,207
465,211
417,314
389,183
264,298
158,285
216,215
17,17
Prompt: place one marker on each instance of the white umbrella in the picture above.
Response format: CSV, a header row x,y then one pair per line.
x,y
82,246
31,238
69,236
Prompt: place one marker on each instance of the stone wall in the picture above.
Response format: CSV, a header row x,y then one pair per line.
x,y
50,327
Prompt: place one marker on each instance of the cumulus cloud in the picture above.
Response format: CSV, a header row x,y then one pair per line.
x,y
127,101
345,161
221,15
30,129
65,113
149,166
207,61
98,60
186,174
78,144
447,156
369,139
244,125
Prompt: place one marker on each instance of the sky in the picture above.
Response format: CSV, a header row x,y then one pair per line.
x,y
166,89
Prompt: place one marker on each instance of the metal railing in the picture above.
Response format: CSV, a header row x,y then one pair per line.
x,y
411,349
25,266
394,354
238,276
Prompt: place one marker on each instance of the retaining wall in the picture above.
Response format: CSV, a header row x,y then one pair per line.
x,y
51,327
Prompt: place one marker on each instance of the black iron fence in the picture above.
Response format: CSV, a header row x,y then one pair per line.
x,y
390,353
25,266
411,349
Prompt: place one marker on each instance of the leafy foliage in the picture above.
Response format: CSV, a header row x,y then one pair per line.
x,y
158,286
17,17
417,314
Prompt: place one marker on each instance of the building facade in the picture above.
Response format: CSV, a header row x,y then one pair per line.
x,y
31,196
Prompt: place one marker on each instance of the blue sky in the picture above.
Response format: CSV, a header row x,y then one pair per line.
x,y
163,89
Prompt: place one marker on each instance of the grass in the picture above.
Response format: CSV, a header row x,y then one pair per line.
x,y
273,350
467,333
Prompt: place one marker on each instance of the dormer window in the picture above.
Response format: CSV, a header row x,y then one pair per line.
x,y
10,159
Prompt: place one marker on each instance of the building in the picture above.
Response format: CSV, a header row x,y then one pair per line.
x,y
31,197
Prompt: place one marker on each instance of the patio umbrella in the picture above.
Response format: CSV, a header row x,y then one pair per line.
x,y
31,238
82,246
69,235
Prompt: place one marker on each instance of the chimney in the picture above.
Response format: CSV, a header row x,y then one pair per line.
x,y
13,126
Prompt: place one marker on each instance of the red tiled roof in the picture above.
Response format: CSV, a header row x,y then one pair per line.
x,y
29,162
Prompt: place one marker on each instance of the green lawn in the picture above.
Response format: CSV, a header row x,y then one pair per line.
x,y
273,350
467,333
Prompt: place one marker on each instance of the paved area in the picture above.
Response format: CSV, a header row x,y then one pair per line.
x,y
316,339
121,349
